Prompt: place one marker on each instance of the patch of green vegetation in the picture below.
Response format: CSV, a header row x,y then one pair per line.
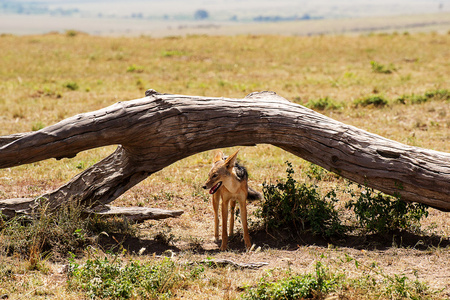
x,y
379,213
289,204
376,101
55,232
37,126
114,279
324,283
135,69
383,69
71,85
300,207
412,99
318,173
45,233
439,94
323,104
307,286
71,33
171,53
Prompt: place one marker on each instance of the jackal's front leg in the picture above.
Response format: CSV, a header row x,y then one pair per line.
x,y
223,247
215,202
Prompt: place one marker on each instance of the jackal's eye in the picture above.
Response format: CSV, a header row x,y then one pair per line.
x,y
214,176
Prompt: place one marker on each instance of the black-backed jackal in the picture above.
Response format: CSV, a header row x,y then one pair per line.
x,y
227,180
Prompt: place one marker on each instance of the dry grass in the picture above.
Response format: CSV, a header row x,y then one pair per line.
x,y
50,77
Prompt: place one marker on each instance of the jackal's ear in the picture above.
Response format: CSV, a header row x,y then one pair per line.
x,y
231,160
218,156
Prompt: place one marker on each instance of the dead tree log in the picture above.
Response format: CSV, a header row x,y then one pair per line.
x,y
160,129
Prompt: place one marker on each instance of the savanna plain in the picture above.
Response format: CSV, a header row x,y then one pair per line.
x,y
395,85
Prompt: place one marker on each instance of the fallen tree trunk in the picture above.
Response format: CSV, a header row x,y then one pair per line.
x,y
160,129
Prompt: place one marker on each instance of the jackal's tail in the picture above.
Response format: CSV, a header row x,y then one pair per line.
x,y
253,195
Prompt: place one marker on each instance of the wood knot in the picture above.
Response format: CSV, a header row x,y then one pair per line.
x,y
388,153
150,92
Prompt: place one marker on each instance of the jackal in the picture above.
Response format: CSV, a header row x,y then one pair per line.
x,y
228,181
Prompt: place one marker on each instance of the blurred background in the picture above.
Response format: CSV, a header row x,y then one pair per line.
x,y
176,17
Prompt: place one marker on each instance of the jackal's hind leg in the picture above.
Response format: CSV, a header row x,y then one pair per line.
x,y
232,210
223,247
243,211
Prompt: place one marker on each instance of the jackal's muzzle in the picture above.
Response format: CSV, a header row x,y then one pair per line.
x,y
214,188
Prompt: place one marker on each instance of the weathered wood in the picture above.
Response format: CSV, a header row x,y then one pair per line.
x,y
137,214
220,263
155,131
12,207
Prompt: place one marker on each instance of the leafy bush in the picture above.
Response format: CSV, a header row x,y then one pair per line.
x,y
307,286
296,206
113,279
377,212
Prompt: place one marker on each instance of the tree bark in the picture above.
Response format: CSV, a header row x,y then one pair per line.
x,y
160,129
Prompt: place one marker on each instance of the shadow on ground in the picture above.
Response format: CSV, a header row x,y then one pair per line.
x,y
276,240
118,242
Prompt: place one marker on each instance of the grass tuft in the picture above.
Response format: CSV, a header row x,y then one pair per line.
x,y
383,69
323,104
71,85
375,101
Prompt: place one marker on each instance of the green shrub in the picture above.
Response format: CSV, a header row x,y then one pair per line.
x,y
379,213
299,207
113,279
377,101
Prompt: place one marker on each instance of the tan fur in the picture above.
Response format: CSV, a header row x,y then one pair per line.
x,y
230,191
